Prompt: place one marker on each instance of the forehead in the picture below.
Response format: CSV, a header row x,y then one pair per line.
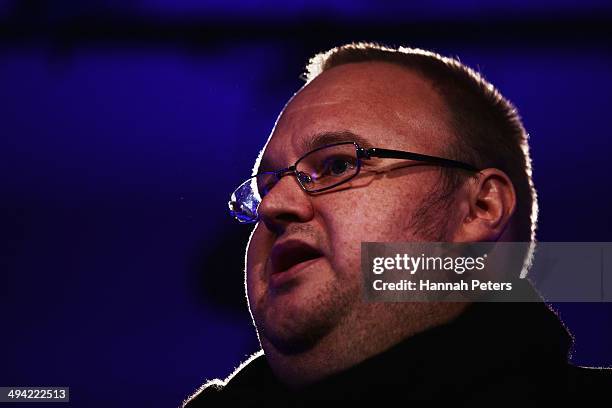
x,y
376,104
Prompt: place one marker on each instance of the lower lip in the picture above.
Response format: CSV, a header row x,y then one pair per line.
x,y
280,278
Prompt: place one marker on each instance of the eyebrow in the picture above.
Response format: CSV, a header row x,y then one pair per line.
x,y
320,140
327,138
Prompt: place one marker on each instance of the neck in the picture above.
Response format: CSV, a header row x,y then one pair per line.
x,y
371,330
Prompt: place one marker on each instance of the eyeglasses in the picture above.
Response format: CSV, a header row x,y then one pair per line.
x,y
319,170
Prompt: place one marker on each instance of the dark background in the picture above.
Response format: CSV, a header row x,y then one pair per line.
x,y
125,125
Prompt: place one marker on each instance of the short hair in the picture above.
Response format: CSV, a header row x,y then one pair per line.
x,y
489,130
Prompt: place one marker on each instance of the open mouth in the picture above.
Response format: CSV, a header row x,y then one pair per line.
x,y
291,253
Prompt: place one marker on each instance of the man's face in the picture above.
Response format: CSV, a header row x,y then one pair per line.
x,y
303,259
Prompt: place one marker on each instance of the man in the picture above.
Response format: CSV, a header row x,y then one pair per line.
x,y
330,179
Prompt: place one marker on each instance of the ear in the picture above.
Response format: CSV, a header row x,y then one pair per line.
x,y
491,202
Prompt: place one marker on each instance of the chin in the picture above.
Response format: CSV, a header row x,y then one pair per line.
x,y
295,322
291,336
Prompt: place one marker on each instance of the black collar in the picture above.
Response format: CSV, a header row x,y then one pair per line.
x,y
489,345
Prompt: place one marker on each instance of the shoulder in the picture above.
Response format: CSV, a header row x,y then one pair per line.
x,y
248,376
590,379
582,386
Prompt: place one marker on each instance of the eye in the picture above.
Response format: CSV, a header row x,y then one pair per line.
x,y
265,183
265,189
338,166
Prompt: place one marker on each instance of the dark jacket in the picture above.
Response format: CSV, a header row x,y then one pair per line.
x,y
494,354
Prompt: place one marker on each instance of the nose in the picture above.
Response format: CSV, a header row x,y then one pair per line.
x,y
285,203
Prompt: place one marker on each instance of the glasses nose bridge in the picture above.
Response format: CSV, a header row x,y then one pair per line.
x,y
284,201
291,170
283,172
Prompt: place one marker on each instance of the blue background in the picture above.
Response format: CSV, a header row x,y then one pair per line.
x,y
124,125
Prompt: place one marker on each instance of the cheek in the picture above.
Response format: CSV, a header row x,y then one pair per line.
x,y
351,219
379,212
369,214
257,253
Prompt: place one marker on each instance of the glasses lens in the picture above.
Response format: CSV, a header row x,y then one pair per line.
x,y
327,167
245,200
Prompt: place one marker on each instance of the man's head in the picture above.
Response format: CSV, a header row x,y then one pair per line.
x,y
303,260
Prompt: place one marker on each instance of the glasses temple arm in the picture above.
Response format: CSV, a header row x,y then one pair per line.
x,y
397,154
